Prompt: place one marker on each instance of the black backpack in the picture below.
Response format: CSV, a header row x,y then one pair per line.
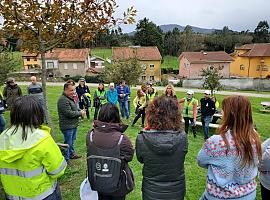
x,y
104,167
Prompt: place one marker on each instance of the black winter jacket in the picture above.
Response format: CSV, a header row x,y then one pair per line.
x,y
163,155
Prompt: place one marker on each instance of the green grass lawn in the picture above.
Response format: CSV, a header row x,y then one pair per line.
x,y
103,53
170,62
195,176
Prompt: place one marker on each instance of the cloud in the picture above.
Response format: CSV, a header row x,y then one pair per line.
x,y
238,15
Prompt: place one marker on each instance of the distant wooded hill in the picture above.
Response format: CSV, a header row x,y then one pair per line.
x,y
169,27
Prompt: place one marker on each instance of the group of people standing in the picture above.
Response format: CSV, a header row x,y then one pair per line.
x,y
30,158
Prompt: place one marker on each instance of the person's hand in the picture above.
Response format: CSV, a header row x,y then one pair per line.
x,y
83,113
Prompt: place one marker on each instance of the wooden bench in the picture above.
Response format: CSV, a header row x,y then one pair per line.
x,y
265,107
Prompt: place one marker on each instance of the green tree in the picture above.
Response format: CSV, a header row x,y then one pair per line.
x,y
190,41
211,77
129,70
172,42
148,34
261,33
42,25
226,40
6,64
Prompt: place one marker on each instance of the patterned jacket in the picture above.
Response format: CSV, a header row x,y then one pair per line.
x,y
226,178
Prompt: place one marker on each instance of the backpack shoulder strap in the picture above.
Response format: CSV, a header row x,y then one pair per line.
x,y
91,136
120,139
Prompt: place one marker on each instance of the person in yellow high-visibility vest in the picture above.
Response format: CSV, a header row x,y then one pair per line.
x,y
151,92
189,111
30,160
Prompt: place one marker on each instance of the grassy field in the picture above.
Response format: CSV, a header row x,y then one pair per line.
x,y
195,176
170,62
103,53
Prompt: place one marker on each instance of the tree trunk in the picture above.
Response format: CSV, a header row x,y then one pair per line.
x,y
44,79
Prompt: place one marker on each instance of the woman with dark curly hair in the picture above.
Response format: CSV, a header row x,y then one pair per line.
x,y
161,147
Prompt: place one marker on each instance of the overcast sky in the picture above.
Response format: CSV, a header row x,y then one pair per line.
x,y
237,14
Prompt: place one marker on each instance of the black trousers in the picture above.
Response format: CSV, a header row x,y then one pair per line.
x,y
265,193
96,112
141,113
191,120
107,197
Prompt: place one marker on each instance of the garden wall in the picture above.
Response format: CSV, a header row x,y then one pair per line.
x,y
233,84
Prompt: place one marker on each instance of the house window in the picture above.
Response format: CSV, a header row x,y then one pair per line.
x,y
152,78
186,65
28,59
50,65
75,66
258,68
210,67
65,66
265,68
144,66
221,67
143,78
152,65
242,67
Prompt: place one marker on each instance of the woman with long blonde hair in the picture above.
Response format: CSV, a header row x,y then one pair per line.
x,y
232,156
169,91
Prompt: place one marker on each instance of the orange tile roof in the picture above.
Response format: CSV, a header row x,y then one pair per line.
x,y
68,54
205,57
63,54
142,53
256,50
28,54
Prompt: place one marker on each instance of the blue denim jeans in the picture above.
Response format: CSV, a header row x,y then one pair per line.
x,y
56,195
124,109
70,137
2,123
205,124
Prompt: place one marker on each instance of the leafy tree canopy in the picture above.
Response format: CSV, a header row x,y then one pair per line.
x,y
211,77
148,34
129,70
261,33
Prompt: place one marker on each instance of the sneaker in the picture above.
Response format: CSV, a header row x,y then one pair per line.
x,y
75,156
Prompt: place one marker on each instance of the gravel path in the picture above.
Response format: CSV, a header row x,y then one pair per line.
x,y
180,89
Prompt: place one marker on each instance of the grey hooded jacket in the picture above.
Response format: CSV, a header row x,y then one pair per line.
x,y
163,155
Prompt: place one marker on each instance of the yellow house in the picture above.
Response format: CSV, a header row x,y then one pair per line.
x,y
251,60
31,61
149,57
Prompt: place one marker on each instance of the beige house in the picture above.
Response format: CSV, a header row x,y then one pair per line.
x,y
192,63
149,57
61,62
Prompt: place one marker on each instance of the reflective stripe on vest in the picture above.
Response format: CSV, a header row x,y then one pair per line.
x,y
39,197
189,107
24,174
57,171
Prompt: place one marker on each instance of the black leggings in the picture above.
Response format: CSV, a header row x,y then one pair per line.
x,y
141,113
